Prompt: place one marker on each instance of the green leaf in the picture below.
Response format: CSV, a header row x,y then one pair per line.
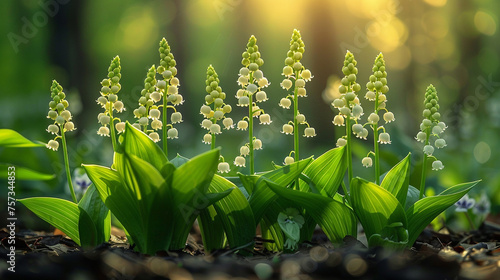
x,y
212,229
23,173
235,213
100,215
118,198
377,209
336,219
327,171
428,208
397,180
12,139
60,213
137,143
262,196
411,197
179,160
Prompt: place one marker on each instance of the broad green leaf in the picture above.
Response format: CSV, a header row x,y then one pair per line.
x,y
92,204
189,185
411,197
212,229
137,143
376,208
327,171
23,173
179,160
270,227
396,181
118,198
87,229
235,213
60,213
12,139
428,208
262,196
336,219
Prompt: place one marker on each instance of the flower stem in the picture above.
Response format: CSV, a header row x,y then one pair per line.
x,y
165,146
424,167
349,154
375,145
296,127
112,126
212,144
66,165
250,128
469,219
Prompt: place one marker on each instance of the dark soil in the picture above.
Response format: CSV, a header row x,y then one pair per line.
x,y
443,255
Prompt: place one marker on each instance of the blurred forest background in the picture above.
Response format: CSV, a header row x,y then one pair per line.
x,y
451,44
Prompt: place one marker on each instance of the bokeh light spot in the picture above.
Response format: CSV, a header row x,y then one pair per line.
x,y
482,152
138,27
485,23
388,35
436,3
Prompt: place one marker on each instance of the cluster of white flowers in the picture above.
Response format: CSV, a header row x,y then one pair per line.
x,y
296,76
59,113
431,127
109,99
252,82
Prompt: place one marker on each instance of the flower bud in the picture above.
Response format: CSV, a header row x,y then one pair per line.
x,y
162,84
206,124
242,125
373,118
172,133
228,123
257,144
338,120
120,127
285,103
287,129
154,136
60,120
244,151
215,129
421,136
437,165
309,132
239,161
156,96
258,75
69,126
440,143
252,88
223,167
143,121
263,83
345,111
207,138
341,142
388,117
243,101
357,111
357,128
154,114
384,138
287,71
300,83
218,115
265,119
53,145
301,118
288,160
103,131
261,96
306,75
244,71
367,162
176,117
428,150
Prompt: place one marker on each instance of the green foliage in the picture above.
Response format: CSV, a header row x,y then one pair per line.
x,y
143,184
380,208
88,223
12,139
